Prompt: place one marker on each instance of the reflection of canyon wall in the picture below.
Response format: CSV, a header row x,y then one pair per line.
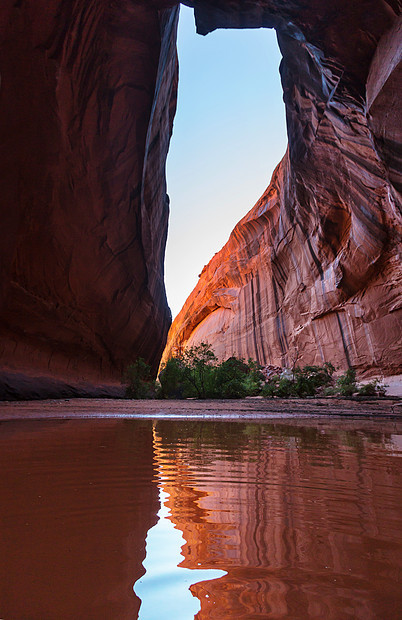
x,y
314,269
88,92
76,502
302,524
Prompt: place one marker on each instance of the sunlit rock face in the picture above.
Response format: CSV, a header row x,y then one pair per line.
x,y
313,272
87,98
88,93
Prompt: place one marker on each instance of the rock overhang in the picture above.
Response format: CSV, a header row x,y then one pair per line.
x,y
338,196
82,268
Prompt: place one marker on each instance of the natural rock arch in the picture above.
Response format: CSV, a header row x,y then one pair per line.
x,y
89,89
306,272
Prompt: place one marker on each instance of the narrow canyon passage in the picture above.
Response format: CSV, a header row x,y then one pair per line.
x,y
89,91
229,134
312,271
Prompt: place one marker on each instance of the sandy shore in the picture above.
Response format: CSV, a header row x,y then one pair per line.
x,y
246,409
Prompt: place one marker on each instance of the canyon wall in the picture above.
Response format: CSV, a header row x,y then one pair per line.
x,y
87,99
313,272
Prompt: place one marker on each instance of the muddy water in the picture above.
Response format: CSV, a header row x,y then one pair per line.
x,y
113,520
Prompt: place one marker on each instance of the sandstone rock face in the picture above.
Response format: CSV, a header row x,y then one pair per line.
x,y
87,98
313,272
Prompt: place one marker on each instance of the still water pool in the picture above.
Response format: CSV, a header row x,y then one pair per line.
x,y
167,520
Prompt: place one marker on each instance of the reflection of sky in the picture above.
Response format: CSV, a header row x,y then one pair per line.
x,y
396,445
164,589
229,134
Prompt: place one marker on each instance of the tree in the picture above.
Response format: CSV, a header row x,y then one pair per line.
x,y
230,378
200,362
173,379
138,379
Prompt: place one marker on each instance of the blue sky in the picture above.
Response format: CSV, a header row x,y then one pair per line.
x,y
229,134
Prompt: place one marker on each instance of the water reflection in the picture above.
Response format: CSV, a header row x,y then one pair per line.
x,y
282,521
166,584
76,501
306,522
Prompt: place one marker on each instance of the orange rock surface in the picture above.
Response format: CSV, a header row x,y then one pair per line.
x,y
313,272
88,93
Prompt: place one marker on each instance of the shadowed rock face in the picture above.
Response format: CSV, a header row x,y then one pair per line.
x,y
313,271
88,93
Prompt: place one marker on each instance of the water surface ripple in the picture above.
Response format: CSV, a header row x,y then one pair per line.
x,y
170,520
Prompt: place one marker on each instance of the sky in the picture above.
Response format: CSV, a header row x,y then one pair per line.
x,y
229,134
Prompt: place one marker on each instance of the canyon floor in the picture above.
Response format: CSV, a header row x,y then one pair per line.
x,y
246,409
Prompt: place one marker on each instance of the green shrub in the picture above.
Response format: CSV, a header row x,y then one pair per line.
x,y
197,373
229,379
373,388
251,386
270,388
139,381
172,379
286,388
234,378
330,391
302,382
346,384
310,379
281,387
199,363
254,379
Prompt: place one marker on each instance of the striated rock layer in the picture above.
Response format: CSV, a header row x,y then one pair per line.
x,y
87,98
88,93
313,272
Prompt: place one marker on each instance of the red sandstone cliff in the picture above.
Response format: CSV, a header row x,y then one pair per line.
x,y
314,269
87,98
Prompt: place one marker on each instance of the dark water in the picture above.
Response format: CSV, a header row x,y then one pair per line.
x,y
257,521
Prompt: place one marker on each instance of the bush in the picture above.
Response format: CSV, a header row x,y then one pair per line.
x,y
172,379
374,388
254,379
281,387
196,373
302,382
229,379
310,379
346,385
138,379
270,389
199,370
